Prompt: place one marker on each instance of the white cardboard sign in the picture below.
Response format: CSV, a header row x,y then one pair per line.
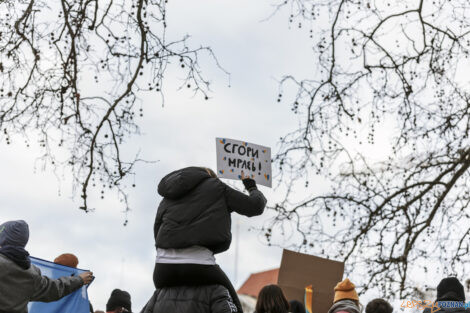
x,y
234,156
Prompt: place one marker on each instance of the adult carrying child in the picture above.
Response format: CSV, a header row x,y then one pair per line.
x,y
193,224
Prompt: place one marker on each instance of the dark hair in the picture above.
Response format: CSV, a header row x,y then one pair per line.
x,y
271,300
210,172
296,306
379,306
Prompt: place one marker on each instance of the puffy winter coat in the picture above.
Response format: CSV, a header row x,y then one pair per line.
x,y
195,210
200,299
19,286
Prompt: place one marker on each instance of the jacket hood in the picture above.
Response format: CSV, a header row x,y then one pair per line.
x,y
178,183
17,255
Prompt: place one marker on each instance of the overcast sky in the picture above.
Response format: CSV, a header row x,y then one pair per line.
x,y
257,54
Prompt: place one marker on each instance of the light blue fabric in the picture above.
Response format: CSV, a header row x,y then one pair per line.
x,y
76,302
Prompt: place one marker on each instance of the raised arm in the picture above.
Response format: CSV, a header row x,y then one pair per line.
x,y
248,205
48,290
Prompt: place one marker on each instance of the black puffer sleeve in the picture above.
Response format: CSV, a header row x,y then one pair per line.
x,y
158,219
248,205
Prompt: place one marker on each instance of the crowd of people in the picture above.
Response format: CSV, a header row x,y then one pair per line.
x,y
450,299
192,224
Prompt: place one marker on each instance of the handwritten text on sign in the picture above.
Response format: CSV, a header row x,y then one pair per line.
x,y
234,156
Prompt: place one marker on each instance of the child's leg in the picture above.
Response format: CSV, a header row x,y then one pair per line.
x,y
170,275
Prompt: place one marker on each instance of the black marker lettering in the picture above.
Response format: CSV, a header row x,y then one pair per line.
x,y
232,162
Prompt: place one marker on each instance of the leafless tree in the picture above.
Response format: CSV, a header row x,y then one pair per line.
x,y
72,73
383,68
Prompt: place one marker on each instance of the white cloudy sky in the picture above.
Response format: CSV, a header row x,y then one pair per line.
x,y
257,53
180,134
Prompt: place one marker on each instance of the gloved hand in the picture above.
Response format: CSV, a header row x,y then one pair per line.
x,y
249,183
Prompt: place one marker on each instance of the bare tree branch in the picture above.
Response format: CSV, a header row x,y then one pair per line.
x,y
396,65
72,74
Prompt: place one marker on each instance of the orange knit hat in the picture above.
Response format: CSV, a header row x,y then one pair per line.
x,y
345,290
67,259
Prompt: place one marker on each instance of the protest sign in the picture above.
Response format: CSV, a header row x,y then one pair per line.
x,y
76,302
299,271
234,156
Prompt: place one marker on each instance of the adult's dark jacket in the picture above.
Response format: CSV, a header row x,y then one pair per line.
x,y
200,299
196,208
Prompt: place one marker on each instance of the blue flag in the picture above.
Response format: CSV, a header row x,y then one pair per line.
x,y
76,302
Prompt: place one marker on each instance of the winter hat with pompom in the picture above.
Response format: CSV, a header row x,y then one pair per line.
x,y
345,290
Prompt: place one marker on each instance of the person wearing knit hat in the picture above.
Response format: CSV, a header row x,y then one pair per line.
x,y
119,301
345,299
14,236
67,259
450,297
14,233
450,289
345,290
21,281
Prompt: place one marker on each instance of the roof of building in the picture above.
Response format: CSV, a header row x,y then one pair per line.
x,y
257,281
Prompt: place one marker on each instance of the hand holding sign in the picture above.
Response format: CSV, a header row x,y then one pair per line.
x,y
240,159
243,176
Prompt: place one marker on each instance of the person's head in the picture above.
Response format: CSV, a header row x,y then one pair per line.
x,y
14,233
67,259
379,306
346,290
271,300
450,289
119,301
296,306
210,172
